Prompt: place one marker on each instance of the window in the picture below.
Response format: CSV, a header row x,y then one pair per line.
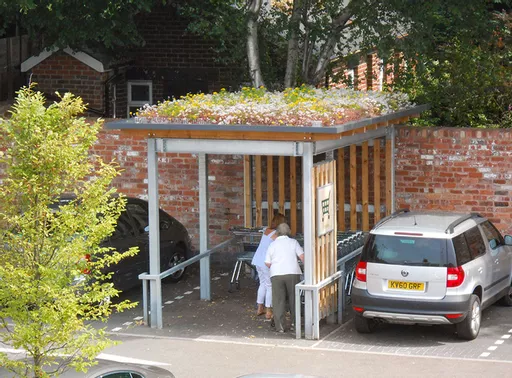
x,y
461,250
139,215
140,93
492,234
404,250
123,227
475,242
122,374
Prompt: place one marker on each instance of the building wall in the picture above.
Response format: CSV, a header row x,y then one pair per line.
x,y
462,169
178,183
63,73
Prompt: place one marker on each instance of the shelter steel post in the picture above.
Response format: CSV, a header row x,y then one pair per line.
x,y
154,236
392,136
204,264
309,234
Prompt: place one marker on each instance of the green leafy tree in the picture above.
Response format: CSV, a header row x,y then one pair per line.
x,y
76,23
47,301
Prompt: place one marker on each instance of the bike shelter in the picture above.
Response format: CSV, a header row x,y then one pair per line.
x,y
325,184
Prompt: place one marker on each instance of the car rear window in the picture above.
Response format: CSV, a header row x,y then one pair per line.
x,y
406,250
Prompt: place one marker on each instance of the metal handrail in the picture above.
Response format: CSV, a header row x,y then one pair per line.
x,y
145,277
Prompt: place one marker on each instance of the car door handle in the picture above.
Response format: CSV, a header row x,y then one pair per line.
x,y
480,270
497,261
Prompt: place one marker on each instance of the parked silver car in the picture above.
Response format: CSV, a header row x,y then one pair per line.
x,y
432,268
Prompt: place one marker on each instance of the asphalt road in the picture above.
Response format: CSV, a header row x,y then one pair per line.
x,y
223,338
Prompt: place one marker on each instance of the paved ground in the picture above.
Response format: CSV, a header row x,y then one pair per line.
x,y
230,318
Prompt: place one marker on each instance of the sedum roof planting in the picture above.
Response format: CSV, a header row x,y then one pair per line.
x,y
303,106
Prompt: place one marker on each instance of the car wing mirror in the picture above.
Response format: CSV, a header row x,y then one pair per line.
x,y
508,240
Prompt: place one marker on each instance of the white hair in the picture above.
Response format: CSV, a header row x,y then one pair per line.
x,y
283,229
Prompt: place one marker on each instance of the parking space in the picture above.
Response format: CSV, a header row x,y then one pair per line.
x,y
230,317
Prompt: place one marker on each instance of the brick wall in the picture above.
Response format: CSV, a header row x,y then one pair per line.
x,y
61,72
178,183
467,170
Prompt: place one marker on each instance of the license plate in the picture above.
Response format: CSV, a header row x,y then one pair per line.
x,y
402,285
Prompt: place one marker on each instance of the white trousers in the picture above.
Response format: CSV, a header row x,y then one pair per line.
x,y
265,288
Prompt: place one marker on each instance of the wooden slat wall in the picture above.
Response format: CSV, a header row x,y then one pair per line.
x,y
293,195
341,189
376,179
247,191
281,185
270,188
388,176
353,187
365,219
258,197
325,246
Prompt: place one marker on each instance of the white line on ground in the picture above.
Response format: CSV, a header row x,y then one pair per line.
x,y
179,297
169,302
485,354
117,329
127,323
10,350
113,357
306,347
188,292
510,331
322,339
499,342
492,347
505,337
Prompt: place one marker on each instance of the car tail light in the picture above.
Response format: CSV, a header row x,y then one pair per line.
x,y
453,316
361,271
358,309
83,263
454,276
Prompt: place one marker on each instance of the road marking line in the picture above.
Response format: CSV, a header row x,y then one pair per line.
x,y
505,337
499,342
305,347
138,318
188,292
510,331
169,302
116,329
485,354
492,348
113,357
179,297
319,341
10,350
127,323
197,287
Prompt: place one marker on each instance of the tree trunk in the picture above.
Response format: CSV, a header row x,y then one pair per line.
x,y
253,52
314,75
290,78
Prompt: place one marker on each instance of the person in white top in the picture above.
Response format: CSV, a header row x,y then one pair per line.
x,y
264,298
282,259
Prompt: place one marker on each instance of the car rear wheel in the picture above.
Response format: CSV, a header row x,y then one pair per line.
x,y
507,299
176,257
364,325
469,328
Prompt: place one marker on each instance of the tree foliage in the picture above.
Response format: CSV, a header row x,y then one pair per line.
x,y
46,300
76,23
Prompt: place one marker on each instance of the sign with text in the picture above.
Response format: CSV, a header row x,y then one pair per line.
x,y
325,209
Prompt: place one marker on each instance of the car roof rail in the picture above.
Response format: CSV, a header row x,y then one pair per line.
x,y
451,227
389,217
